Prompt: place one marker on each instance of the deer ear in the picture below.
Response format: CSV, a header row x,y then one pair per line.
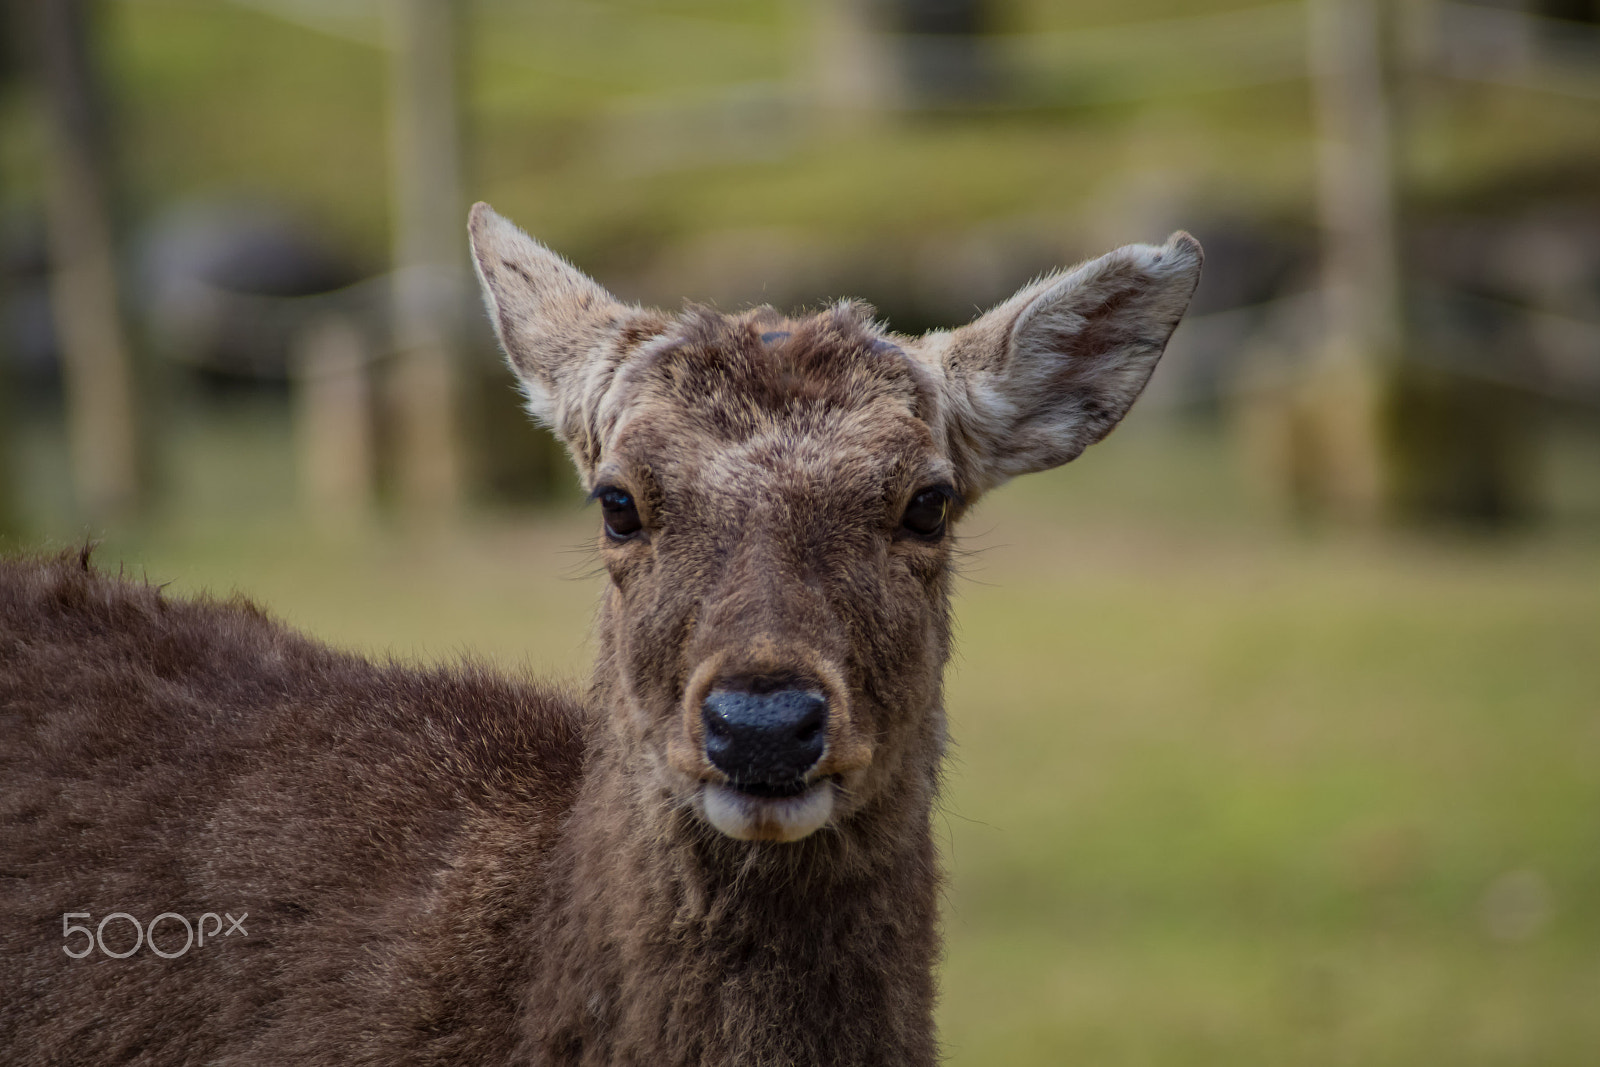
x,y
555,324
1032,383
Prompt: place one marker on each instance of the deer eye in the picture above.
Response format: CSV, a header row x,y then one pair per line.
x,y
926,514
621,516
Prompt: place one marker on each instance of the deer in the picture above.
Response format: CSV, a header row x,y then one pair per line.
x,y
721,852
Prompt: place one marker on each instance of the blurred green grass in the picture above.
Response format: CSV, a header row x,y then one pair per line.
x,y
1220,792
1254,801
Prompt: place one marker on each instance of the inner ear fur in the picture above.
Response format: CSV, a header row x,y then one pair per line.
x,y
1032,383
561,332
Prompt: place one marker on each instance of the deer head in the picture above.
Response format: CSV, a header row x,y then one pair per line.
x,y
778,497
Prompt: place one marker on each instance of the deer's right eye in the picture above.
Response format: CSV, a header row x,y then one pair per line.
x,y
621,515
926,514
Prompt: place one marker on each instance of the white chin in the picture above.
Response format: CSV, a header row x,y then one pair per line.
x,y
749,818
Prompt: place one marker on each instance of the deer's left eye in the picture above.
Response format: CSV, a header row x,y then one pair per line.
x,y
928,512
621,514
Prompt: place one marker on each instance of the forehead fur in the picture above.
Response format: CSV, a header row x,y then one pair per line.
x,y
731,377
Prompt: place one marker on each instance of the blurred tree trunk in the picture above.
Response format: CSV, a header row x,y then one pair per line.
x,y
333,422
1361,331
429,251
10,63
10,517
96,357
855,79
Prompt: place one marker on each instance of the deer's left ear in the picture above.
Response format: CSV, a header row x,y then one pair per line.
x,y
1032,383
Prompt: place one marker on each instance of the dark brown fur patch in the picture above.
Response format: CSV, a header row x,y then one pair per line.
x,y
384,828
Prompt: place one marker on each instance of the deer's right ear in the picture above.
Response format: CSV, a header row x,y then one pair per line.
x,y
556,325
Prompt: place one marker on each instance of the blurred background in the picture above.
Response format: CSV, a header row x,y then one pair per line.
x,y
1277,718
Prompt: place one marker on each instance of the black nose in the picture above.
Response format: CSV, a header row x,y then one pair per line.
x,y
765,742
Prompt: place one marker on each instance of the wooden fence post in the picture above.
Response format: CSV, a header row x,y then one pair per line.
x,y
1361,330
92,337
429,251
333,421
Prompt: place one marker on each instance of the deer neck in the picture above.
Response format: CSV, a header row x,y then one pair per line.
x,y
665,942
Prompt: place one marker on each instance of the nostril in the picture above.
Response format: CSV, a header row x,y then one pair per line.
x,y
811,718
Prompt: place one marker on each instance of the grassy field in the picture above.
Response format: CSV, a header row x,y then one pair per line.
x,y
1219,794
1238,801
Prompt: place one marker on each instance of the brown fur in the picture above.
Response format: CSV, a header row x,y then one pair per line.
x,y
383,827
449,867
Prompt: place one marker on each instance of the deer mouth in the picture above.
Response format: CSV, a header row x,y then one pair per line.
x,y
766,812
771,790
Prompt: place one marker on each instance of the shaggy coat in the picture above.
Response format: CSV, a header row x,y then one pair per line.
x,y
450,867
